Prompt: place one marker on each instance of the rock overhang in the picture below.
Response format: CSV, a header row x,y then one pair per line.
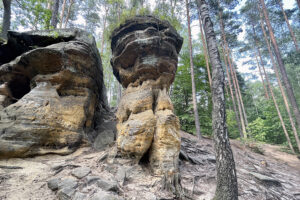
x,y
144,47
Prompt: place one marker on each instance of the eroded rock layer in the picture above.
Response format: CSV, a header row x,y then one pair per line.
x,y
51,92
145,55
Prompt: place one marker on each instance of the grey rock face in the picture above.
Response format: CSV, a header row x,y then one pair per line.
x,y
101,195
66,193
91,179
80,196
108,185
81,172
53,184
67,183
104,138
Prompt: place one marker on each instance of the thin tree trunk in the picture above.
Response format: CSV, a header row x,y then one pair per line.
x,y
68,14
256,110
205,49
227,187
197,124
234,80
232,69
49,4
6,18
298,2
62,14
275,102
280,85
286,82
232,97
260,72
54,17
104,28
239,91
262,79
289,26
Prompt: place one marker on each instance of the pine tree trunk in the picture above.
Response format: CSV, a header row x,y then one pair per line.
x,y
286,82
275,102
289,26
54,17
6,18
68,14
262,78
62,14
227,188
280,85
104,28
197,124
240,95
234,79
232,96
205,49
49,4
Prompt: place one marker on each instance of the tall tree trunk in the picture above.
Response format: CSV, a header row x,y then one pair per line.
x,y
197,124
232,97
68,14
280,85
239,91
275,102
262,78
281,66
227,188
49,4
234,80
6,18
205,49
298,2
289,26
54,17
104,28
62,14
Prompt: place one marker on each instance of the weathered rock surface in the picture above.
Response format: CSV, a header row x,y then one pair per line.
x,y
27,178
81,172
52,95
145,55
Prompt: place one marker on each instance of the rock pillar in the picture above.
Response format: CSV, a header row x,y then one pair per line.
x,y
145,55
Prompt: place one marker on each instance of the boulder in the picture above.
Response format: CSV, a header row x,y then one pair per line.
x,y
145,56
52,94
81,172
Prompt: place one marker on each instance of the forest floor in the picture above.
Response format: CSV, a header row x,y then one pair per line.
x,y
274,175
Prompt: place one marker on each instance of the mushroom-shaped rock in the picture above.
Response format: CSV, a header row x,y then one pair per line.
x,y
145,55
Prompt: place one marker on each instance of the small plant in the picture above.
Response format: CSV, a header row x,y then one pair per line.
x,y
55,34
254,146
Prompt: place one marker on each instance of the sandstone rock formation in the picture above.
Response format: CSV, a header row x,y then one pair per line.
x,y
52,93
145,55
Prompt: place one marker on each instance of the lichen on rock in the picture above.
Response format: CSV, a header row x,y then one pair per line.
x,y
51,92
145,56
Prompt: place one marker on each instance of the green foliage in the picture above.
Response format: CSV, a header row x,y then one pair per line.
x,y
253,145
181,92
233,131
33,14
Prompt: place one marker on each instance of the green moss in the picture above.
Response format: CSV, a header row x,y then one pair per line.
x,y
55,34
